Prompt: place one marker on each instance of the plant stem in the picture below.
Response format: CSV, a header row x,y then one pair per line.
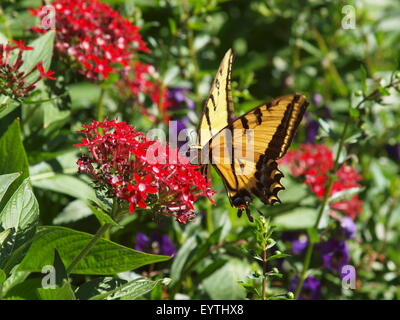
x,y
209,218
100,105
264,280
99,234
310,247
88,247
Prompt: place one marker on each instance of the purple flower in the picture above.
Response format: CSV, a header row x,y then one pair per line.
x,y
335,254
298,246
299,241
393,151
178,100
168,248
317,99
182,124
142,242
311,289
156,244
312,127
348,227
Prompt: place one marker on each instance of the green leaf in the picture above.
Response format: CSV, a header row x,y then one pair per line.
x,y
63,292
42,52
104,258
13,158
203,248
326,127
102,216
98,287
2,276
53,115
66,184
323,223
15,278
224,283
74,211
278,256
211,268
4,235
5,182
354,113
7,105
131,290
271,243
384,91
26,290
21,214
299,218
181,257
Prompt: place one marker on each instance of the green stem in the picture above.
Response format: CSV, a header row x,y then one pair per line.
x,y
264,280
99,234
100,105
88,247
209,218
310,247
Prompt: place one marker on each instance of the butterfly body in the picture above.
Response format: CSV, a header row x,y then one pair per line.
x,y
245,151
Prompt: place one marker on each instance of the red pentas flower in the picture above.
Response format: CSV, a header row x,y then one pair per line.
x,y
145,173
314,163
13,80
93,35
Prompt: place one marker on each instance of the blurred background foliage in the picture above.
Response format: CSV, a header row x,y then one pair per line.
x,y
281,47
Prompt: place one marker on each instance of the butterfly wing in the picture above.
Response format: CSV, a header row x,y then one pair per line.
x,y
256,140
218,106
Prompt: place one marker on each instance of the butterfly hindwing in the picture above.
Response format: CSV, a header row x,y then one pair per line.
x,y
257,139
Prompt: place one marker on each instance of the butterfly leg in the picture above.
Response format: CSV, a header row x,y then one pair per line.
x,y
249,216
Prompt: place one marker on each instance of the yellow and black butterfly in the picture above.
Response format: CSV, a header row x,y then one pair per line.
x,y
271,127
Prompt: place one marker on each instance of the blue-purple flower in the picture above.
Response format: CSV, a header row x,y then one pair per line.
x,y
156,244
312,127
299,241
335,254
178,99
348,227
311,289
178,102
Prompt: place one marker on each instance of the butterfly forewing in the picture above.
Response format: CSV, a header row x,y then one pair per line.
x,y
218,106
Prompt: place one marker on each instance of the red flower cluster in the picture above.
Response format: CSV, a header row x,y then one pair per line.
x,y
144,172
12,80
94,35
315,162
